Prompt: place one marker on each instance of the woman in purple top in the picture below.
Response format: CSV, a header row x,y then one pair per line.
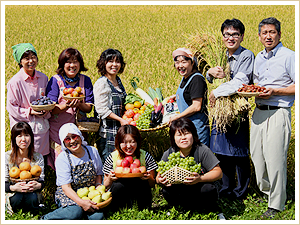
x,y
70,64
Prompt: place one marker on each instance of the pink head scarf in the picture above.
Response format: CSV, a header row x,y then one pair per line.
x,y
182,51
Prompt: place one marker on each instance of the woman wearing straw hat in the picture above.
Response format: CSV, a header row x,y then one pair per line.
x,y
23,88
191,95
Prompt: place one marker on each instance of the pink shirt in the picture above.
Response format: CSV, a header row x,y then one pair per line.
x,y
21,90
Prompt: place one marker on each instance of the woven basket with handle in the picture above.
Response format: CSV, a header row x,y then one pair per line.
x,y
176,175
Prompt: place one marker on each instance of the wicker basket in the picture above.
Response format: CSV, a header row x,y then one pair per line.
x,y
39,108
104,204
162,126
72,98
88,126
176,175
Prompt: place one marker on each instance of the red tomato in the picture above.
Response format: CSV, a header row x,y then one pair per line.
x,y
171,100
129,113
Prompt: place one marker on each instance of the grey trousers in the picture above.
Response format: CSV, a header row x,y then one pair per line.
x,y
269,142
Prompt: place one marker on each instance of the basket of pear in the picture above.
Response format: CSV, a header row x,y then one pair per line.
x,y
25,172
99,195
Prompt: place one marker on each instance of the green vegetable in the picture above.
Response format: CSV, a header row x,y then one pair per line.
x,y
141,92
159,94
131,98
152,93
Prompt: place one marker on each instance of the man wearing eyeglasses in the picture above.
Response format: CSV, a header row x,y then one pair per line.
x,y
274,68
232,147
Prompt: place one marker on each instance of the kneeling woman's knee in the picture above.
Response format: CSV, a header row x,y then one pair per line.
x,y
76,212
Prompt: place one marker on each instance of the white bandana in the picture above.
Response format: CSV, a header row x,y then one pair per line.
x,y
69,128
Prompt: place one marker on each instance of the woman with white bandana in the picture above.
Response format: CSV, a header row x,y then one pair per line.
x,y
79,165
24,87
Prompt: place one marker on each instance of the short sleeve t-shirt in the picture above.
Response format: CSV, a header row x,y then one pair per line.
x,y
197,88
63,167
202,154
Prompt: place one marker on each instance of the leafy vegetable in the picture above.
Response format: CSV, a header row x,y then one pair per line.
x,y
131,98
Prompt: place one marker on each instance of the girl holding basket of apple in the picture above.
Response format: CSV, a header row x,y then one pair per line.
x,y
67,79
126,191
23,195
78,166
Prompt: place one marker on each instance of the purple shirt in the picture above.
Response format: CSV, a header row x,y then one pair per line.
x,y
52,90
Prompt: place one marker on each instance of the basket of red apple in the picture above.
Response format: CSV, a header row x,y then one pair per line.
x,y
86,124
70,94
129,167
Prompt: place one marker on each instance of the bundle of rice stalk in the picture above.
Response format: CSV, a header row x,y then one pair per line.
x,y
210,52
228,109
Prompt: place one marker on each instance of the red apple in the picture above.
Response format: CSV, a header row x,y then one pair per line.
x,y
70,90
137,162
119,162
136,170
129,120
142,169
129,158
136,116
118,169
125,163
66,91
126,170
133,123
75,94
129,113
133,165
78,90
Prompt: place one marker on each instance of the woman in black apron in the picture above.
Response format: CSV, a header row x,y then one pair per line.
x,y
77,166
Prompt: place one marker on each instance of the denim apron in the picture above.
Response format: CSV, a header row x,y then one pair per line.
x,y
199,119
83,175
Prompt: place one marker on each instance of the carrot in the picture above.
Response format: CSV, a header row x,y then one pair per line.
x,y
155,101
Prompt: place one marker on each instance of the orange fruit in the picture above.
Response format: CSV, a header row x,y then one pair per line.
x,y
25,166
141,111
143,107
135,110
36,170
129,106
25,175
137,104
14,172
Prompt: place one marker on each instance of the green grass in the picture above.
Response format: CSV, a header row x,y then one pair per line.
x,y
146,36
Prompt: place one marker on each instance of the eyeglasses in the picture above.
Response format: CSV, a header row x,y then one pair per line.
x,y
73,137
234,35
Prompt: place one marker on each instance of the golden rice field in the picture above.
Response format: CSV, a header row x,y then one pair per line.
x,y
146,35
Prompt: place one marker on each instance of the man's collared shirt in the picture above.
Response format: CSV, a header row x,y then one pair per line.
x,y
275,69
241,66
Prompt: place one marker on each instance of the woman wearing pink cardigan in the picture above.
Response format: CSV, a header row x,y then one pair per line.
x,y
24,87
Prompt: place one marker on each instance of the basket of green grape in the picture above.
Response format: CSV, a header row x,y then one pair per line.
x,y
176,169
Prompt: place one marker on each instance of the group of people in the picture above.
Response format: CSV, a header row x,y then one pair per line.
x,y
224,156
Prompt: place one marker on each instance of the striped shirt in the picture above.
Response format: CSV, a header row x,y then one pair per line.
x,y
150,163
